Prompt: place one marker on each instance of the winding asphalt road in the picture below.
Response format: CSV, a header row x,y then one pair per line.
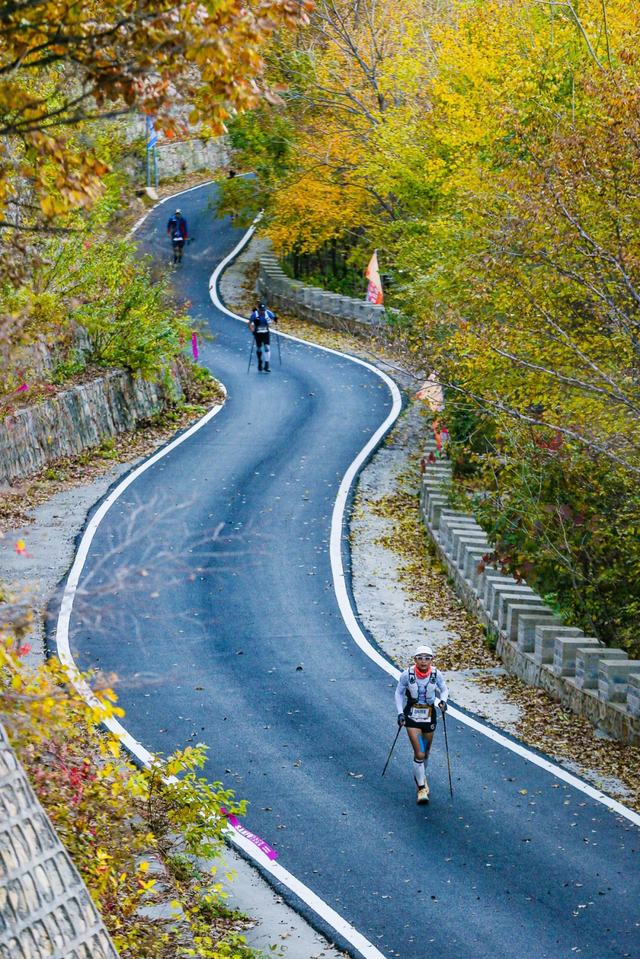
x,y
208,590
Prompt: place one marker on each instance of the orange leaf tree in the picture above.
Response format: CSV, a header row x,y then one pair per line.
x,y
64,63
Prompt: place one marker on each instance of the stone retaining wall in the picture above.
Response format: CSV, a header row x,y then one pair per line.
x,y
175,156
330,310
77,419
45,907
188,156
532,641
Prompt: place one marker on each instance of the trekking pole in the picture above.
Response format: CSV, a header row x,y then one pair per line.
x,y
250,354
446,744
391,750
279,353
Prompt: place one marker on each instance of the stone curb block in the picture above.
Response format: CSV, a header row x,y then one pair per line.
x,y
529,634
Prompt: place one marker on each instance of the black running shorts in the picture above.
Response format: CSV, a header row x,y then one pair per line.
x,y
424,727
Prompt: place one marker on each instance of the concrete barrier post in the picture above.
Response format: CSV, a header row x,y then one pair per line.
x,y
565,651
613,679
463,538
432,485
465,543
514,610
545,641
450,522
588,659
489,578
633,694
498,588
461,529
435,521
527,628
434,510
471,563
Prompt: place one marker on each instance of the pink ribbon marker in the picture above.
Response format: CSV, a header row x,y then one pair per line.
x,y
194,345
256,840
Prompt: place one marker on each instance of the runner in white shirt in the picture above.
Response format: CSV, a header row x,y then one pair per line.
x,y
416,703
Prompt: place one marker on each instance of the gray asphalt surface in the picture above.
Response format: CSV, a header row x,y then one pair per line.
x,y
209,585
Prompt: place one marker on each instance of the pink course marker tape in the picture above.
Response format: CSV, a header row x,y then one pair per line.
x,y
251,836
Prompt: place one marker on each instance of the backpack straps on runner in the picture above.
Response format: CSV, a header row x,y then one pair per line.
x,y
412,684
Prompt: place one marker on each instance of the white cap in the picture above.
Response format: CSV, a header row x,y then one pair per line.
x,y
423,651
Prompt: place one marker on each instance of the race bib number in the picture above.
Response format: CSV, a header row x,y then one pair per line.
x,y
421,714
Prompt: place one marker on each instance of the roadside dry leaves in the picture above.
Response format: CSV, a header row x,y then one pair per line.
x,y
543,723
425,579
367,348
556,731
334,339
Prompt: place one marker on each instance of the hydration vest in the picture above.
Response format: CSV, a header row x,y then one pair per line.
x,y
178,227
261,321
412,688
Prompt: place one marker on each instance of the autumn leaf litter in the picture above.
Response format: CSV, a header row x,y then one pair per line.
x,y
542,723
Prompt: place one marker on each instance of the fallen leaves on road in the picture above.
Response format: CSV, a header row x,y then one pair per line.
x,y
543,723
554,730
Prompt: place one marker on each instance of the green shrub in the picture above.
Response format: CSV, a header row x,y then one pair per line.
x,y
128,316
114,818
100,294
65,370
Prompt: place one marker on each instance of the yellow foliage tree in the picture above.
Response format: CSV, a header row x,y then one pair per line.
x,y
496,146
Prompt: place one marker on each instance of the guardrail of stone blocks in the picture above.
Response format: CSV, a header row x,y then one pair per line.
x,y
532,641
45,907
312,303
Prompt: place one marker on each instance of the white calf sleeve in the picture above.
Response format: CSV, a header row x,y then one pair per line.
x,y
418,772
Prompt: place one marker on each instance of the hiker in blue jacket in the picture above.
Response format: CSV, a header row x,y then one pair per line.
x,y
259,323
177,230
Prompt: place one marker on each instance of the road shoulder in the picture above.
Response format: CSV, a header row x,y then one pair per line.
x,y
404,598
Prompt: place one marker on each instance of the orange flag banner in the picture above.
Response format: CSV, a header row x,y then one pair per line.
x,y
374,290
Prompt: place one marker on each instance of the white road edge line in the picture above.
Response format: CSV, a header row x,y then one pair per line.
x,y
172,196
321,908
329,915
71,586
344,603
